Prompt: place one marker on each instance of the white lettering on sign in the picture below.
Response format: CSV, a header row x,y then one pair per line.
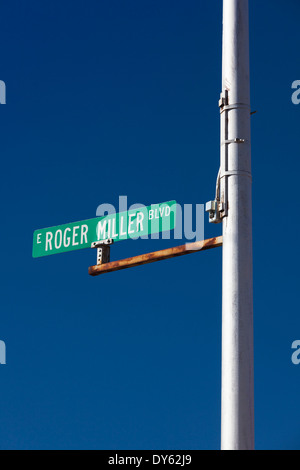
x,y
160,212
101,229
130,223
67,240
84,231
74,243
139,220
156,213
108,228
49,236
58,239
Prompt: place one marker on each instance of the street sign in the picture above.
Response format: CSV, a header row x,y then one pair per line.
x,y
131,224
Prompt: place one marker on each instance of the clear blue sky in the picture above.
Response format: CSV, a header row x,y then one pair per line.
x,y
121,98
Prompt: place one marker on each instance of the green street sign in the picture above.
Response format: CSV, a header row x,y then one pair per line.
x,y
78,235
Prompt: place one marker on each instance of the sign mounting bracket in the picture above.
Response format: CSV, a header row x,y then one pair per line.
x,y
103,250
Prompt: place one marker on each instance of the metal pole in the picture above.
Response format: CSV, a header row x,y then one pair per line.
x,y
237,427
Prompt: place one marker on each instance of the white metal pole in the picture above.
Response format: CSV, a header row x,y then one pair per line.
x,y
237,427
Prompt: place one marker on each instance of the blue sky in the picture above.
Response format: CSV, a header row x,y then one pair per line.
x,y
121,98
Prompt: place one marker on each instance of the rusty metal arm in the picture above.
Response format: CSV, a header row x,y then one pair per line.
x,y
155,256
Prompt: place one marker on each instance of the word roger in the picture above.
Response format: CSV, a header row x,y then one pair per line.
x,y
69,236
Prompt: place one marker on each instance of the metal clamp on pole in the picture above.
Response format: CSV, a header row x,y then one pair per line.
x,y
217,208
103,250
216,211
234,141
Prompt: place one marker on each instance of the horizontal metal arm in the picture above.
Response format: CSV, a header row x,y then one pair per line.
x,y
156,256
